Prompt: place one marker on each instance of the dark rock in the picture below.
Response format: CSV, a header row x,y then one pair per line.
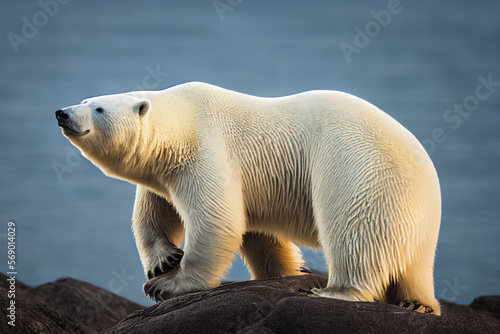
x,y
36,318
64,306
452,308
282,306
279,305
487,304
307,315
227,309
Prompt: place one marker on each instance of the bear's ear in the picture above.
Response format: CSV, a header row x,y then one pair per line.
x,y
142,107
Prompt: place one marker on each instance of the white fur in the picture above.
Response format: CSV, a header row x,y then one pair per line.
x,y
233,172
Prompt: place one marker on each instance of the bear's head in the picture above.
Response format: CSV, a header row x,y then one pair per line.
x,y
104,128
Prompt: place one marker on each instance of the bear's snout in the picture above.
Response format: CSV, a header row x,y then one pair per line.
x,y
70,127
61,116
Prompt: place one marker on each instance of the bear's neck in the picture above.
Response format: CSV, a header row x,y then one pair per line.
x,y
163,147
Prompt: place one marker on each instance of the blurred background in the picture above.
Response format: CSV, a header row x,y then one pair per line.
x,y
432,65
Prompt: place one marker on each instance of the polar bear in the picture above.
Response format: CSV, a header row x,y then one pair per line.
x,y
226,172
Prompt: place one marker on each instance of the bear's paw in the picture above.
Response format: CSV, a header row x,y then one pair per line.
x,y
166,263
413,305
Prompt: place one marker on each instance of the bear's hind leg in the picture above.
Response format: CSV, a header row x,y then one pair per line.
x,y
416,290
267,256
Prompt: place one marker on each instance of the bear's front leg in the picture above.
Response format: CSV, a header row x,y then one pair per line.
x,y
157,231
213,215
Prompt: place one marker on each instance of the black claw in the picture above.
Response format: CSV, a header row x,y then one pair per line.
x,y
165,295
166,266
157,294
304,269
146,289
177,254
158,271
173,262
414,305
163,268
405,304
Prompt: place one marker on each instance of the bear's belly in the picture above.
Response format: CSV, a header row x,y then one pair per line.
x,y
284,217
286,229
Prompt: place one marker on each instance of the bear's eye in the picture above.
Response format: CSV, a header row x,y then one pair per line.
x,y
99,109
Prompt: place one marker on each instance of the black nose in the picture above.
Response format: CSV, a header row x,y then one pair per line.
x,y
61,115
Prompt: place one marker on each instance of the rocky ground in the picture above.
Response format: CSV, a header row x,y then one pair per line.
x,y
270,306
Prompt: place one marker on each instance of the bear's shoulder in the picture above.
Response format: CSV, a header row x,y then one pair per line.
x,y
193,86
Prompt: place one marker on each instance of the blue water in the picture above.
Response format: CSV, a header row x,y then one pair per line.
x,y
427,56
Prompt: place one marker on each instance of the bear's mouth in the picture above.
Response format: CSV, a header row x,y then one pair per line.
x,y
70,132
